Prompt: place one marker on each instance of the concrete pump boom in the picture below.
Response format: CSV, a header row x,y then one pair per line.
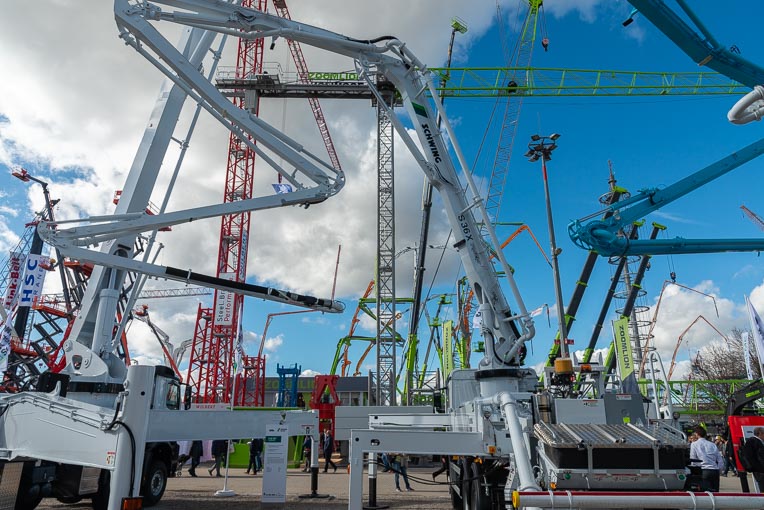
x,y
505,330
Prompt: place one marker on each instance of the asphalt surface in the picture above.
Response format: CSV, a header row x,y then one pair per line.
x,y
198,493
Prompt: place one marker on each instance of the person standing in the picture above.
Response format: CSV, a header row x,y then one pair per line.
x,y
219,450
400,464
328,448
306,447
195,452
255,450
705,454
753,451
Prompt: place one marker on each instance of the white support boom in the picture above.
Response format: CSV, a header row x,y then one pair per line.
x,y
505,330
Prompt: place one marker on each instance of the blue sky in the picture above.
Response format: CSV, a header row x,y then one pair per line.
x,y
81,134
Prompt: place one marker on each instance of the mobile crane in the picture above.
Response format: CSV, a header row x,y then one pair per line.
x,y
517,449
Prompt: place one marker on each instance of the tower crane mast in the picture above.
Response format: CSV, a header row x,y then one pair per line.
x,y
520,63
211,380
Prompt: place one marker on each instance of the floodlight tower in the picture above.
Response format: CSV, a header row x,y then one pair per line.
x,y
541,147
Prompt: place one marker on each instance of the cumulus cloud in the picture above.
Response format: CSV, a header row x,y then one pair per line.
x,y
8,238
309,373
687,320
272,344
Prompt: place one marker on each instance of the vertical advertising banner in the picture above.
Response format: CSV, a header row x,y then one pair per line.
x,y
275,463
224,303
6,332
448,351
624,355
16,268
757,333
623,347
34,277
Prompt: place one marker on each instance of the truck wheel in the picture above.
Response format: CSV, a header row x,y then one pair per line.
x,y
466,484
27,502
478,498
456,499
100,499
69,500
155,483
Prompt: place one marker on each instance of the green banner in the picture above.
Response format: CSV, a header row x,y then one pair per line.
x,y
448,349
623,347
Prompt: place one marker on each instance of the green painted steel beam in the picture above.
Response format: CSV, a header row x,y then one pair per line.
x,y
557,82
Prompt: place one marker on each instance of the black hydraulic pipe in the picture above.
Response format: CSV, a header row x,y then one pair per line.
x,y
202,279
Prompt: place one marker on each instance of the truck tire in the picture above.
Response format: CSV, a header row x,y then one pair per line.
x,y
454,480
69,500
27,502
478,499
466,483
100,499
155,482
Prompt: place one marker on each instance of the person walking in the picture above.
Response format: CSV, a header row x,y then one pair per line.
x,y
443,467
705,454
753,453
400,464
729,461
306,447
328,448
255,450
219,450
195,452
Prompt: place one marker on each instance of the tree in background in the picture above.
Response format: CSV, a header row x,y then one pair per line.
x,y
725,360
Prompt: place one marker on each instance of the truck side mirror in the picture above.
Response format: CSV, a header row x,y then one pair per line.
x,y
187,398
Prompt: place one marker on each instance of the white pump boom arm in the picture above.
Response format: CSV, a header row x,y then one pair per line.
x,y
504,329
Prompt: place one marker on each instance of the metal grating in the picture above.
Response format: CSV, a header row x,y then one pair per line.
x,y
605,436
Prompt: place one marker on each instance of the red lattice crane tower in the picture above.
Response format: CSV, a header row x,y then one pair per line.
x,y
215,335
217,328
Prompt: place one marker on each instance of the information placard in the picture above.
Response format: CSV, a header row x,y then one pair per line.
x,y
275,463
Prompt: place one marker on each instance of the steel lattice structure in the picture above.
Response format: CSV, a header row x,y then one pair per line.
x,y
386,339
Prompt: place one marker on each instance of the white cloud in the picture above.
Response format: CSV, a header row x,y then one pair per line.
x,y
309,373
8,238
272,344
692,315
10,211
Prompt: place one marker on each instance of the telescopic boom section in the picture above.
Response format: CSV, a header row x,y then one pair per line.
x,y
505,330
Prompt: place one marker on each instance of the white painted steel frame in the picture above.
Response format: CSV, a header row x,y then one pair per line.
x,y
404,441
48,427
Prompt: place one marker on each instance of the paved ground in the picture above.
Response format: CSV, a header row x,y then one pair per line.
x,y
198,493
